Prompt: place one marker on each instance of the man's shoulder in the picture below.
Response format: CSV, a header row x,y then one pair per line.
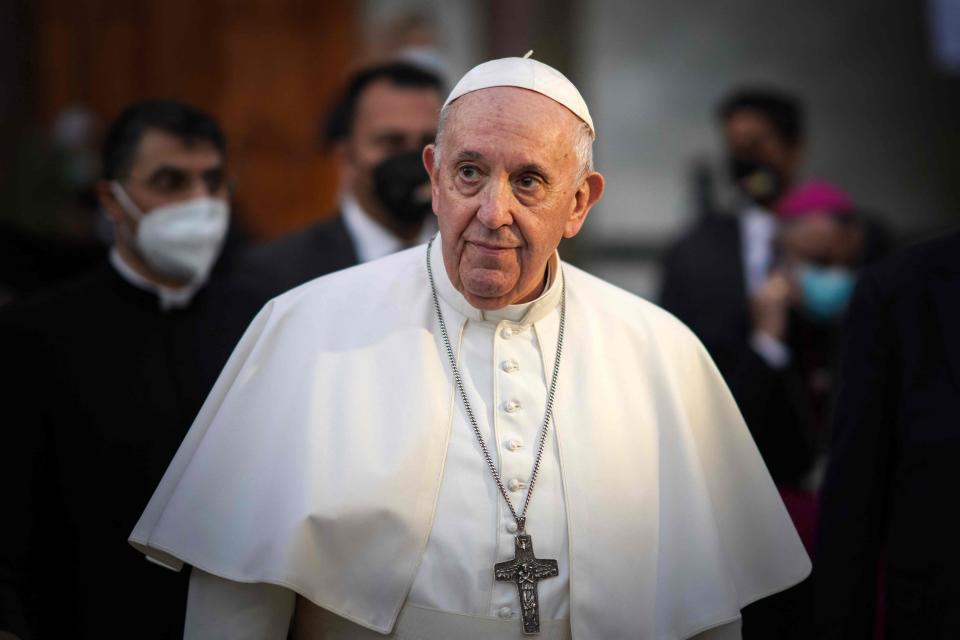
x,y
371,283
618,306
54,304
709,229
704,240
41,329
393,285
326,242
267,270
905,274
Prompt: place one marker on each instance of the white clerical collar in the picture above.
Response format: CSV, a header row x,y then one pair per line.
x,y
758,229
168,297
372,240
759,217
525,314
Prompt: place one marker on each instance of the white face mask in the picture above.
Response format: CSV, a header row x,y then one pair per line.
x,y
179,241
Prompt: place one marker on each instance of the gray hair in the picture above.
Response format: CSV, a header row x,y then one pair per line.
x,y
582,143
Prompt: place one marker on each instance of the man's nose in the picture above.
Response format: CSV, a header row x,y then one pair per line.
x,y
199,189
494,211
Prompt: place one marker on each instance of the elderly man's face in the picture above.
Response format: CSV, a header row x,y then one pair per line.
x,y
506,190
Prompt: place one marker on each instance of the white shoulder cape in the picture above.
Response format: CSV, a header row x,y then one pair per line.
x,y
315,462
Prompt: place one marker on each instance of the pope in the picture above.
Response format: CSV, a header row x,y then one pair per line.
x,y
472,438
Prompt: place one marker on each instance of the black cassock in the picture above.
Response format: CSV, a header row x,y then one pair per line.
x,y
98,386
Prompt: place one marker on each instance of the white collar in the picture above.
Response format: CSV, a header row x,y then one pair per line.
x,y
524,314
758,229
371,239
759,220
168,297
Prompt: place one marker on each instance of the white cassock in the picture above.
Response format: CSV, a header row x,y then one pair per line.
x,y
332,477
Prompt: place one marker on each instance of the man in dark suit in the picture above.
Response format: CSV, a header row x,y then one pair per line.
x,y
887,504
101,377
376,131
718,278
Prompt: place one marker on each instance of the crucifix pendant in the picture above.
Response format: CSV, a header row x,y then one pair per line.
x,y
526,570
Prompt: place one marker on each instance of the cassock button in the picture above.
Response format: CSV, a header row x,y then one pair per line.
x,y
509,366
513,445
515,484
505,612
506,333
512,527
511,406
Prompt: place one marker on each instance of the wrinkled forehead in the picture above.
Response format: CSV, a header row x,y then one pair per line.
x,y
510,119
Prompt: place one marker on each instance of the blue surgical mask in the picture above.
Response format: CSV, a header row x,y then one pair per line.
x,y
826,291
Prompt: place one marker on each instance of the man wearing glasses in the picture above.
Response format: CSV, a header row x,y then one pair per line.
x,y
100,379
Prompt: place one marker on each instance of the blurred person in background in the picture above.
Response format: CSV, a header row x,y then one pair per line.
x,y
802,303
49,227
799,311
885,514
716,274
756,289
377,130
102,376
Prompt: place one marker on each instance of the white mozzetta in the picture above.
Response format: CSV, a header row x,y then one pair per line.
x,y
317,462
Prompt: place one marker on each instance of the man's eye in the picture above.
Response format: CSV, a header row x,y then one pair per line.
x,y
169,181
468,172
528,182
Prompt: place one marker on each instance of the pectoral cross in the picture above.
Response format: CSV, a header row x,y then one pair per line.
x,y
526,570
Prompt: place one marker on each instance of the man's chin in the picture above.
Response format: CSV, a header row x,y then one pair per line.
x,y
487,302
486,288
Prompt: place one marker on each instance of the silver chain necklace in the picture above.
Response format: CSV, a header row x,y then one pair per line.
x,y
525,569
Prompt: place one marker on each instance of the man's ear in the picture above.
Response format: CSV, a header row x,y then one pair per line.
x,y
430,159
589,191
108,201
433,170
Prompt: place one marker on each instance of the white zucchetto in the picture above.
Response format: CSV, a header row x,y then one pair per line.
x,y
525,73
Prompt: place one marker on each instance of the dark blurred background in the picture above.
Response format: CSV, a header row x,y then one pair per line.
x,y
880,83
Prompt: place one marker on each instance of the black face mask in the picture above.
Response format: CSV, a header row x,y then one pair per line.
x,y
399,182
762,182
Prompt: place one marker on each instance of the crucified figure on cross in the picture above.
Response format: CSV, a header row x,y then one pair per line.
x,y
527,570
